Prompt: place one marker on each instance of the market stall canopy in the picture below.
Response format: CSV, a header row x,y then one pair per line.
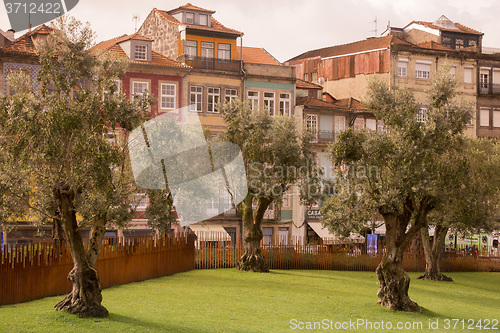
x,y
327,237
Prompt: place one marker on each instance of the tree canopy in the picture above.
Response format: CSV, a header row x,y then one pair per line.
x,y
411,168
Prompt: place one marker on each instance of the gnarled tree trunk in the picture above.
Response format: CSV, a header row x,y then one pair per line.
x,y
252,259
98,231
85,298
394,281
432,254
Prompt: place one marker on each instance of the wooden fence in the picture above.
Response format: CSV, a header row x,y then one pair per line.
x,y
295,253
39,270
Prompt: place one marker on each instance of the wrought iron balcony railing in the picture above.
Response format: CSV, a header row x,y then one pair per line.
x,y
214,64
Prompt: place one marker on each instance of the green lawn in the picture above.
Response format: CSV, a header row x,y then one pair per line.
x,y
226,300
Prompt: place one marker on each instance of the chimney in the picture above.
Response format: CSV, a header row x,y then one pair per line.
x,y
10,34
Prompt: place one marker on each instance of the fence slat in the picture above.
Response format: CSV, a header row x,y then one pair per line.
x,y
295,253
41,270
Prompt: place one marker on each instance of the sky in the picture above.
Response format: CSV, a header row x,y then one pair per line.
x,y
287,28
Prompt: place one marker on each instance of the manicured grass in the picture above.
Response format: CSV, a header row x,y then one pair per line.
x,y
226,300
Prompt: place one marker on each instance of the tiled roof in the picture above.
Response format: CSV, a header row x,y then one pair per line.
x,y
461,28
318,103
301,84
360,46
351,104
215,25
189,6
256,55
346,104
24,44
111,45
435,46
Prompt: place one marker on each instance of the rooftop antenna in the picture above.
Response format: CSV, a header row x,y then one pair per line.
x,y
376,30
136,18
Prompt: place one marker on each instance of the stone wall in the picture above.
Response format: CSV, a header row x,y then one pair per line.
x,y
165,35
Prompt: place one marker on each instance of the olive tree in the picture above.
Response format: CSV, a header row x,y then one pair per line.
x,y
410,172
277,155
56,161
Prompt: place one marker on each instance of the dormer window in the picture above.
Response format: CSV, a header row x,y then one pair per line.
x,y
203,19
141,52
189,18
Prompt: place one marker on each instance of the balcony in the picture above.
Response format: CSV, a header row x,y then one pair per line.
x,y
212,64
325,137
489,88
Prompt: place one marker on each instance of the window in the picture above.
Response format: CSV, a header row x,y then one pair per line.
x,y
189,18
285,105
380,126
196,95
267,235
484,117
286,199
203,19
339,124
224,51
468,74
207,50
371,124
402,67
422,115
496,118
212,205
306,77
446,41
228,202
141,52
423,70
484,78
472,42
140,201
253,98
459,43
359,123
167,96
231,95
453,70
269,102
213,99
116,89
139,89
312,123
190,49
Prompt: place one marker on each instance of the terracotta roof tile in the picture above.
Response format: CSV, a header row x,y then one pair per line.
x,y
346,104
215,25
359,46
301,84
351,104
318,103
256,55
460,27
111,45
24,44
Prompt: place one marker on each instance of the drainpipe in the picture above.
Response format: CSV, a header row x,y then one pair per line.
x,y
242,94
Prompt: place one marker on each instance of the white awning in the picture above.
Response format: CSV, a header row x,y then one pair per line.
x,y
210,233
320,230
327,236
